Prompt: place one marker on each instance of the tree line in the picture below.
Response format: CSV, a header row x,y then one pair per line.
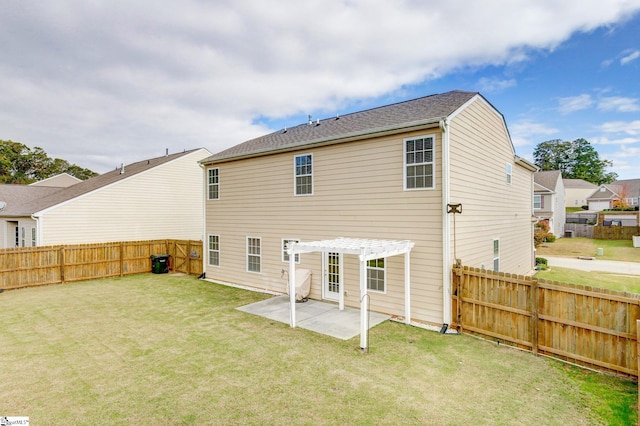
x,y
20,164
575,159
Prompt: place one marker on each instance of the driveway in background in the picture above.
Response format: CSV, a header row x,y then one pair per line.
x,y
618,267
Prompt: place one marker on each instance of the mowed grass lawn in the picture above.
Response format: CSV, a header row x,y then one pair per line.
x,y
573,247
162,349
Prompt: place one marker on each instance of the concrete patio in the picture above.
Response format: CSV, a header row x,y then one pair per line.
x,y
321,317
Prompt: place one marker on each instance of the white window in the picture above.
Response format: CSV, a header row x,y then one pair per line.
x,y
254,251
214,184
285,255
33,237
376,274
419,163
509,170
214,250
24,237
303,171
537,202
496,255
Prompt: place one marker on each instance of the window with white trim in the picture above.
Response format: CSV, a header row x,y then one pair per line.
x,y
537,202
24,237
419,163
496,254
214,250
254,254
509,172
33,237
303,171
285,255
376,274
213,184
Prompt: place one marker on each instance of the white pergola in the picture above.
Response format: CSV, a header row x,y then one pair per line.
x,y
365,249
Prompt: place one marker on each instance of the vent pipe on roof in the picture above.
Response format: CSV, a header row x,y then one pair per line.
x,y
166,153
317,121
122,168
310,121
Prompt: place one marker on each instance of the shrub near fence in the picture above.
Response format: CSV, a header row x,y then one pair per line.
x,y
586,326
33,266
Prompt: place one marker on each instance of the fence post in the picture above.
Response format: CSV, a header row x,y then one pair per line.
x,y
61,264
122,258
534,316
459,279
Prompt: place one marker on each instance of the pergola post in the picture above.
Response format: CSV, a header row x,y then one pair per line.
x,y
407,288
364,318
292,287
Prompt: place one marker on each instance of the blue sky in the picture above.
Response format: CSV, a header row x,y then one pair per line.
x,y
105,82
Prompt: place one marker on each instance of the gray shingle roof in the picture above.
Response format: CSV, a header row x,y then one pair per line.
x,y
578,184
548,179
428,109
27,204
632,187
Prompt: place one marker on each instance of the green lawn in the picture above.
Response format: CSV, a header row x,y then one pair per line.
x,y
160,349
596,279
574,247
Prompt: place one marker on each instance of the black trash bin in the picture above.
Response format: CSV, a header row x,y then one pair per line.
x,y
160,263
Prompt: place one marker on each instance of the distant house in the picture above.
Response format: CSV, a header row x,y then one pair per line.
x,y
152,199
62,180
577,191
549,200
433,180
606,196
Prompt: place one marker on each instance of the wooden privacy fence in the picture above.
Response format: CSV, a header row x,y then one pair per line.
x,y
615,232
33,266
587,326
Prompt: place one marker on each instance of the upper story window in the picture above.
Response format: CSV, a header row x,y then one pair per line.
x,y
303,171
214,184
419,162
537,202
509,171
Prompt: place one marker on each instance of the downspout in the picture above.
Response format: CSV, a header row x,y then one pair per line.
x,y
205,251
446,226
38,221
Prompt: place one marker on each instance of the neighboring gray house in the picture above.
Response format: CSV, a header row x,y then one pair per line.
x,y
607,195
577,191
549,201
159,198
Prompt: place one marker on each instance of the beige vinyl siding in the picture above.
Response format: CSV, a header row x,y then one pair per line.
x,y
491,208
358,193
163,202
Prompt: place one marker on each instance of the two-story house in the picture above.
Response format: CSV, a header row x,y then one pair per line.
x,y
549,200
435,178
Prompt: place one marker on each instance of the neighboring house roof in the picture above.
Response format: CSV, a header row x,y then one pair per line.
x,y
578,184
14,197
632,187
607,191
28,205
539,188
402,115
61,180
547,179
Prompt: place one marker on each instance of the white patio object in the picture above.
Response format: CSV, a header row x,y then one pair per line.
x,y
365,249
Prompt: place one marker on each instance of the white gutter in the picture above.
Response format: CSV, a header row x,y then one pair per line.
x,y
38,221
446,226
205,251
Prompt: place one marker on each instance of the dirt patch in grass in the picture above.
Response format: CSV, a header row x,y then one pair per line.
x,y
156,349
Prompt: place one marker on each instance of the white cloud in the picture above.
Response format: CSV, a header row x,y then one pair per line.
x,y
629,127
528,132
93,82
492,85
574,103
631,56
619,141
617,103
